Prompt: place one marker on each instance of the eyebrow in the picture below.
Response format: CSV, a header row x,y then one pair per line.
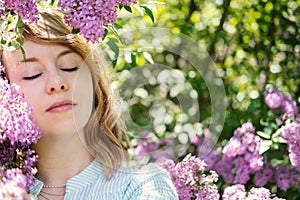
x,y
33,59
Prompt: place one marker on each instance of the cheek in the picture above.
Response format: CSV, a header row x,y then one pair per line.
x,y
83,95
33,97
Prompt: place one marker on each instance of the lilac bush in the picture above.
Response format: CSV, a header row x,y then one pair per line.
x,y
240,156
192,180
238,192
291,133
17,134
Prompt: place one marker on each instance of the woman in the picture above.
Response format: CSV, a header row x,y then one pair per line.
x,y
83,145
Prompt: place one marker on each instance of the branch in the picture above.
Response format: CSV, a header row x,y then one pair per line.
x,y
212,48
192,8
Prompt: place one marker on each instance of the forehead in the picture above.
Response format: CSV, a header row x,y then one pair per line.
x,y
32,49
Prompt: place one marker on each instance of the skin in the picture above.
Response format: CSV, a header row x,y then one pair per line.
x,y
52,73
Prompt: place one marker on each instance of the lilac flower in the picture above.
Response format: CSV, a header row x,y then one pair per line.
x,y
127,2
17,133
12,184
263,176
225,168
259,193
273,98
27,10
291,133
158,151
191,179
90,16
286,176
238,192
289,105
243,150
212,158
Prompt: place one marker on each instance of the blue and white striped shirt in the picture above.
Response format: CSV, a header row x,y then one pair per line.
x,y
150,182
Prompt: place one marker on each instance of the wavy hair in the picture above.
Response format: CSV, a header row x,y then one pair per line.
x,y
104,135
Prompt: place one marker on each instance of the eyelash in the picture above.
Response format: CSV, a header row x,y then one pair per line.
x,y
73,69
63,69
32,77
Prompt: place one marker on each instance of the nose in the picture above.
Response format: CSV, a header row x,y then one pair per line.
x,y
56,83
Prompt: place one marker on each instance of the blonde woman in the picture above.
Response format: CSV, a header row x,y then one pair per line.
x,y
83,147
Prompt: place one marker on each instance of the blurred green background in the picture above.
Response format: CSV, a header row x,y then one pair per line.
x,y
253,44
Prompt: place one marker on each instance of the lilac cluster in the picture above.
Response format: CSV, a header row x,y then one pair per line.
x,y
287,176
291,133
238,192
192,180
275,99
157,151
242,154
12,184
17,133
90,16
27,10
263,176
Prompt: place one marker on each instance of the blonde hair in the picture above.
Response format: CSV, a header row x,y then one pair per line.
x,y
104,135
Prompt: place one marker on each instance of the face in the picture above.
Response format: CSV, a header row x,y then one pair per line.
x,y
56,83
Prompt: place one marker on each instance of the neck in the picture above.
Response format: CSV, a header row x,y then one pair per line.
x,y
60,159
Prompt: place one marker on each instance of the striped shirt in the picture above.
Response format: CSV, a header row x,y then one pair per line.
x,y
150,182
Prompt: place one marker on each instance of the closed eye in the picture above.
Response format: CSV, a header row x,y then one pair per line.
x,y
32,77
70,69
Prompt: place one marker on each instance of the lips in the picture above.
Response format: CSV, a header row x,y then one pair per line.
x,y
61,106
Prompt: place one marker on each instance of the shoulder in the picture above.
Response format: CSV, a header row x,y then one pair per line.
x,y
151,182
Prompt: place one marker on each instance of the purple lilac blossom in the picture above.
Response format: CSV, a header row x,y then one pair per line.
x,y
286,176
12,184
17,132
27,10
192,180
263,176
273,98
158,151
90,16
289,105
291,133
238,192
224,168
243,150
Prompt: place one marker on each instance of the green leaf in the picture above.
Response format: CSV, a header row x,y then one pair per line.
x,y
20,41
263,135
3,41
117,26
19,26
264,146
133,60
23,53
279,140
105,33
277,133
128,8
116,33
75,30
112,43
149,13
